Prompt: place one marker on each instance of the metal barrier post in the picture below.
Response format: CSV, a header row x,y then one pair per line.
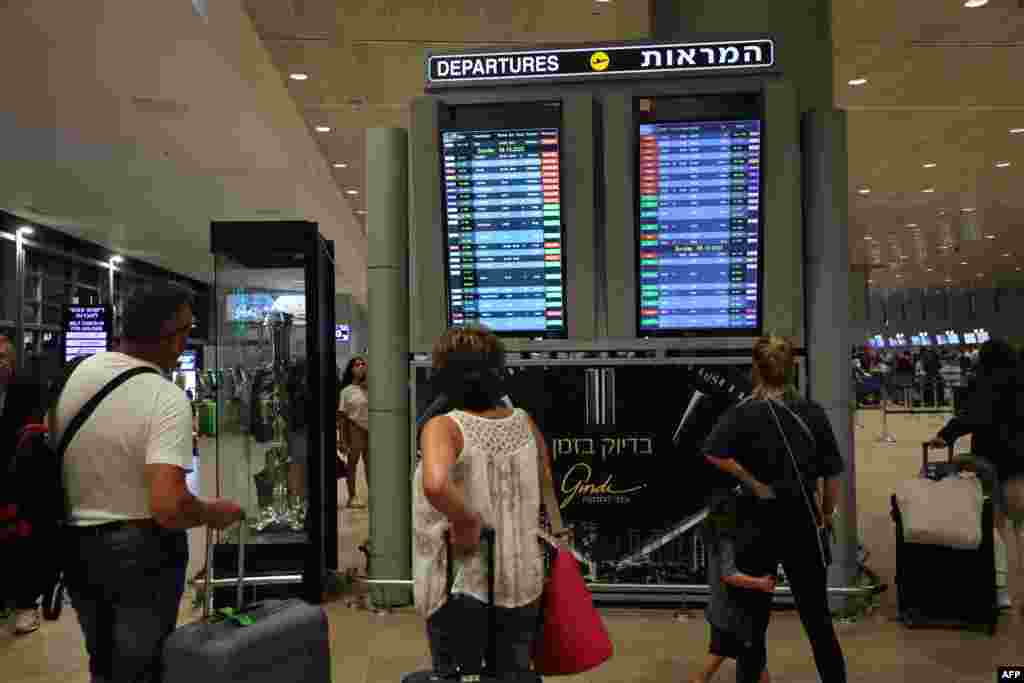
x,y
885,436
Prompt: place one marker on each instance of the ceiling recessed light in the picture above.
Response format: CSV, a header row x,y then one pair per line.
x,y
340,164
963,263
865,190
857,81
966,210
298,76
1016,131
360,212
928,190
323,129
931,270
911,225
868,238
975,3
351,191
930,164
1003,164
990,237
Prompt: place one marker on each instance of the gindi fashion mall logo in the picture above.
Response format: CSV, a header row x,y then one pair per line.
x,y
590,62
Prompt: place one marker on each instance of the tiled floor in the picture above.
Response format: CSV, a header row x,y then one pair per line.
x,y
651,645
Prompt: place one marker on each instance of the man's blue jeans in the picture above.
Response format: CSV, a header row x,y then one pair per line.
x,y
126,585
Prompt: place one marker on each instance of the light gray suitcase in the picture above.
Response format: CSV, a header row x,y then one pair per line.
x,y
287,640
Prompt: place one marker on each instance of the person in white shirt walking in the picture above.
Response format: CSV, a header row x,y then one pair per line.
x,y
354,414
124,474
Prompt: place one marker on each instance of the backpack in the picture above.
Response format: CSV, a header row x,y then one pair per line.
x,y
34,502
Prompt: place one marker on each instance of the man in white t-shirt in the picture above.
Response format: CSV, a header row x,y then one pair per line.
x,y
124,472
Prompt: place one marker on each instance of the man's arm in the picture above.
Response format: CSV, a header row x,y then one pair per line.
x,y
168,457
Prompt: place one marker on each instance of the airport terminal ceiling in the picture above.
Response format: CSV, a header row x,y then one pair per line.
x,y
929,130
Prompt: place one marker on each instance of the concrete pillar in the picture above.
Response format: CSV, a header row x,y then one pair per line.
x,y
343,316
829,335
802,30
859,314
390,491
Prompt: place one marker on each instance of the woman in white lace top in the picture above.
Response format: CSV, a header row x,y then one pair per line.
x,y
479,467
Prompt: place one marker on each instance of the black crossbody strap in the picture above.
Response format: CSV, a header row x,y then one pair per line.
x,y
90,406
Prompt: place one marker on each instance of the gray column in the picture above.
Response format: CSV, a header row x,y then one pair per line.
x,y
802,30
343,316
827,263
388,229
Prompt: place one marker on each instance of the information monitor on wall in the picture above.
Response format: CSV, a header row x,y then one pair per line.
x,y
504,237
699,216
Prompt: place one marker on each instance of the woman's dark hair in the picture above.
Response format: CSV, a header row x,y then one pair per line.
x,y
468,363
996,356
349,377
144,315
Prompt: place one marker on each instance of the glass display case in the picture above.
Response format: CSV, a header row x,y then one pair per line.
x,y
271,373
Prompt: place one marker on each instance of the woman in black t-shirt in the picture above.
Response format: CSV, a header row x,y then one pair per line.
x,y
752,441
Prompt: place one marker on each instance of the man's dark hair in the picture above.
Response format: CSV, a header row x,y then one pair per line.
x,y
144,316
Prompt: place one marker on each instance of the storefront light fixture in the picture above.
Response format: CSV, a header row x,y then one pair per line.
x,y
975,3
340,164
930,164
1017,131
351,192
298,76
971,210
963,263
911,225
990,237
1003,164
360,212
323,129
864,190
857,81
928,190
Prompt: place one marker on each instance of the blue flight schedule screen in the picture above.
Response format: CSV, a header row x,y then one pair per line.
x,y
503,227
699,226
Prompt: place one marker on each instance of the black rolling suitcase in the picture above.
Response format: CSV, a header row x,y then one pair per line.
x,y
488,675
270,641
937,585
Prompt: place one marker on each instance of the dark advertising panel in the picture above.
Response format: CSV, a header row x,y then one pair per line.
x,y
86,331
625,443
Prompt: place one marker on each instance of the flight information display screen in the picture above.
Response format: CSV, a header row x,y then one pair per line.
x,y
503,229
699,227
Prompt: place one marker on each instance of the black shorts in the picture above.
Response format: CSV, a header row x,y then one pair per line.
x,y
725,644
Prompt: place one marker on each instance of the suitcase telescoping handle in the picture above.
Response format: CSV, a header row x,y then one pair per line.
x,y
243,530
487,537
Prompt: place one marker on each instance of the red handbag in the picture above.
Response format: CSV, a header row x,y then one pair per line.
x,y
574,639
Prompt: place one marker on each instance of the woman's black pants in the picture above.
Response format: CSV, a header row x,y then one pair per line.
x,y
794,542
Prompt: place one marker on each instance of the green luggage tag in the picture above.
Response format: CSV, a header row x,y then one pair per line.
x,y
230,614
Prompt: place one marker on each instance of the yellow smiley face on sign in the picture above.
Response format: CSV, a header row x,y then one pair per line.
x,y
599,61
